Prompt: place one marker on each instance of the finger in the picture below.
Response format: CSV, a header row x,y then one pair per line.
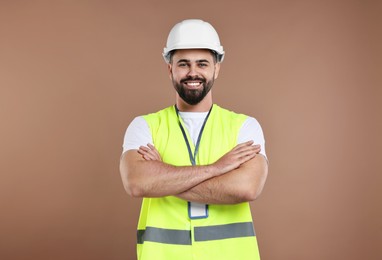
x,y
152,147
147,149
247,152
149,153
246,158
144,148
150,156
141,152
147,157
246,148
155,152
146,153
240,146
157,155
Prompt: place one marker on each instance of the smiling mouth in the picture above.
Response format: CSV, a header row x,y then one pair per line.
x,y
193,84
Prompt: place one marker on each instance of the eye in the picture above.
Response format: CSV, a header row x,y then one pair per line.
x,y
202,65
182,64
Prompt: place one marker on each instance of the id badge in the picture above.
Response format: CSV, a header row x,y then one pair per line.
x,y
197,210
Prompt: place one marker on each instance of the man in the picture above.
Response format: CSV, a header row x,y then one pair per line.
x,y
195,164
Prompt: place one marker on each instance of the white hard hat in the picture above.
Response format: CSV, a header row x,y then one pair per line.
x,y
193,34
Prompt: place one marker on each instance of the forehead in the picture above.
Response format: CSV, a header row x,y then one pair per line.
x,y
193,54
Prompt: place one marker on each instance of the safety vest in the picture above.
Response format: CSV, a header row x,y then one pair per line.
x,y
165,230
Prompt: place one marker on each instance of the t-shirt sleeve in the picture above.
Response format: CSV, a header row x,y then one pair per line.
x,y
251,130
137,134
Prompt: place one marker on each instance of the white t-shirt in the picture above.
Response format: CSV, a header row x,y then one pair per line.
x,y
138,132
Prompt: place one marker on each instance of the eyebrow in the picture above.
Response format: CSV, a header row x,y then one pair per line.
x,y
197,61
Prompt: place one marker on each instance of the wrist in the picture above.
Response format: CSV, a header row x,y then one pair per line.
x,y
214,170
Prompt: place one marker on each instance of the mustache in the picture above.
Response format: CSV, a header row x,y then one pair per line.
x,y
192,78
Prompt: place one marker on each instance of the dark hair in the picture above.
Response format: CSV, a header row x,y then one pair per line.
x,y
214,55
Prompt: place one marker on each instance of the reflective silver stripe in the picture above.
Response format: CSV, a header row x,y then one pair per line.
x,y
165,236
207,233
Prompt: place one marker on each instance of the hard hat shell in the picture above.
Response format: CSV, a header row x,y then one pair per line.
x,y
193,34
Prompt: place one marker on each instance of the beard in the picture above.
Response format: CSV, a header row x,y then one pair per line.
x,y
193,96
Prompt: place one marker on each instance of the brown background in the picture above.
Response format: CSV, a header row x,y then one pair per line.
x,y
73,74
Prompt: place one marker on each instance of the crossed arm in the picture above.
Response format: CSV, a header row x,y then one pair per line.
x,y
236,177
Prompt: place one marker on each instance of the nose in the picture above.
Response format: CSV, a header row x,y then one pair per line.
x,y
193,70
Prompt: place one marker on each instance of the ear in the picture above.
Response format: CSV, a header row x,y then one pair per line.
x,y
169,68
217,69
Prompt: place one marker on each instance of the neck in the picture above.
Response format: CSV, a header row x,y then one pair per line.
x,y
202,106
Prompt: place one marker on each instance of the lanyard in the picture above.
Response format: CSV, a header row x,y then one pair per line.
x,y
192,155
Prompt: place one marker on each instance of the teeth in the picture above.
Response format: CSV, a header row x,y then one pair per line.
x,y
193,83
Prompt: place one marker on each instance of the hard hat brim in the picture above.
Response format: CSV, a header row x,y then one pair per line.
x,y
219,51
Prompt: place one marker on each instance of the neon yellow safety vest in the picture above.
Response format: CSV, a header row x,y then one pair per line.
x,y
165,230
